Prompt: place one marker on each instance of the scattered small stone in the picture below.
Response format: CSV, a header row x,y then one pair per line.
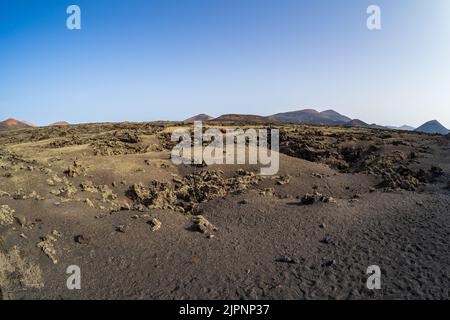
x,y
89,203
46,170
284,180
4,194
245,201
88,186
34,195
322,226
82,239
107,193
122,228
19,195
56,233
200,228
328,240
47,246
267,192
57,179
310,199
65,191
156,224
21,220
125,206
327,199
286,259
202,225
139,207
329,263
75,170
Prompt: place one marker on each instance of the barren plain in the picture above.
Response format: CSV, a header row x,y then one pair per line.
x,y
107,198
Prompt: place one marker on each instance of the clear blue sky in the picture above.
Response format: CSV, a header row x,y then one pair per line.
x,y
169,59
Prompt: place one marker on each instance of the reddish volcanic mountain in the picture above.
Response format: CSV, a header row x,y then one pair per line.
x,y
13,124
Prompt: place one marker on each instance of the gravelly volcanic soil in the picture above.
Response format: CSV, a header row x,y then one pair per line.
x,y
107,198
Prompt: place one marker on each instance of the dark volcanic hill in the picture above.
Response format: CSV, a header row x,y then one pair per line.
x,y
311,116
13,124
248,118
334,116
357,123
199,117
433,126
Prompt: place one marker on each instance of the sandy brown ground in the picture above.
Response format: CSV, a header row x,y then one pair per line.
x,y
387,205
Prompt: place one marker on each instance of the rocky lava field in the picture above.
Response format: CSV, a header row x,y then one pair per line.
x,y
107,198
